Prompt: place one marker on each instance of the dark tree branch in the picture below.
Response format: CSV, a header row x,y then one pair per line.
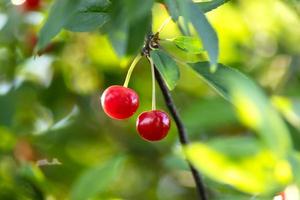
x,y
181,131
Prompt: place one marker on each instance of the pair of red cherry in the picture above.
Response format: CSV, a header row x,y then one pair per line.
x,y
120,102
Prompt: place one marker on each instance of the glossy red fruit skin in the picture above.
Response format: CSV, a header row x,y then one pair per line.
x,y
119,102
31,5
153,125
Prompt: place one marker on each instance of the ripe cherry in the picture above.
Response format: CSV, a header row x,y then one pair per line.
x,y
119,102
30,5
153,125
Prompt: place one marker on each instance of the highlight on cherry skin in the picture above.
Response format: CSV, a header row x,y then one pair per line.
x,y
119,102
153,125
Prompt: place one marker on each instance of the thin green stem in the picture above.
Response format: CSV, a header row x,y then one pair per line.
x,y
153,84
131,68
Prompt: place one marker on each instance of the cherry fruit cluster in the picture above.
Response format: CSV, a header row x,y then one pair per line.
x,y
120,103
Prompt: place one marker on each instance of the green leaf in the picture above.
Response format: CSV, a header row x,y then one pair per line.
x,y
60,13
171,48
118,37
136,34
206,33
75,15
204,6
86,21
289,108
189,44
211,5
295,162
252,106
191,13
96,180
250,174
130,22
173,9
236,147
216,80
167,67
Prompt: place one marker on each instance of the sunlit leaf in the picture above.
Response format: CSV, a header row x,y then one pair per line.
x,y
191,13
180,54
166,66
96,180
256,111
253,107
191,45
7,139
250,174
289,108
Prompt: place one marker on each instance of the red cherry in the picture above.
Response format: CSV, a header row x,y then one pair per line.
x,y
153,125
30,5
119,102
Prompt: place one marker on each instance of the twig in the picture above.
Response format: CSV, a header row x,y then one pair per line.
x,y
181,131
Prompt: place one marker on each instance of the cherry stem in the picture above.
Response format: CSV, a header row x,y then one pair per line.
x,y
183,137
131,68
153,84
164,24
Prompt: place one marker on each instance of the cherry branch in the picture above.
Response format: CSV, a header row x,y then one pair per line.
x,y
183,137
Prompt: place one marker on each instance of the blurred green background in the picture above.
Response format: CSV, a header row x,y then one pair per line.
x,y
57,143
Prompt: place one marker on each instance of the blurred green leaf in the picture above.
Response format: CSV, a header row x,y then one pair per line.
x,y
130,22
204,6
250,174
167,67
217,79
189,44
75,15
295,163
96,180
86,21
256,111
208,114
32,172
172,9
252,105
289,108
236,147
211,5
206,33
60,13
7,139
89,16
